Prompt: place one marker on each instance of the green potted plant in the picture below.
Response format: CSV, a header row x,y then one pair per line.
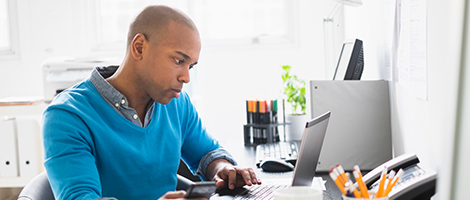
x,y
294,89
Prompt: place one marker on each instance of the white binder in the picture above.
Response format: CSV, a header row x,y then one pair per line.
x,y
8,149
360,130
28,144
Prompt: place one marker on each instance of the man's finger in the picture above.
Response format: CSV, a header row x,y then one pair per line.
x,y
219,182
254,178
249,176
245,175
175,194
232,177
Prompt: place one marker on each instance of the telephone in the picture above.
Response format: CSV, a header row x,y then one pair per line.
x,y
417,182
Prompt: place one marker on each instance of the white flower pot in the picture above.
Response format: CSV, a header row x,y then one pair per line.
x,y
296,127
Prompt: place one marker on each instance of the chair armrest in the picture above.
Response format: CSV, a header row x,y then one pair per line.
x,y
40,189
37,189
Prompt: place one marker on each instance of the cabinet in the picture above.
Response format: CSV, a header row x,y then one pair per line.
x,y
359,130
27,131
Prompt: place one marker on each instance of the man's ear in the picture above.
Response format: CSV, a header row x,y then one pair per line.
x,y
137,46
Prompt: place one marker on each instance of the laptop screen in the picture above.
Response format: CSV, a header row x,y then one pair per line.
x,y
309,151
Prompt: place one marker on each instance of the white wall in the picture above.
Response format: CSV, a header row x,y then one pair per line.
x,y
462,150
424,127
45,31
229,76
226,76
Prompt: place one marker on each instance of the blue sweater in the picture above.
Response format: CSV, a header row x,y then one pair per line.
x,y
91,151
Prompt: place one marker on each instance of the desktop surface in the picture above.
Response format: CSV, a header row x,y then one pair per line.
x,y
246,157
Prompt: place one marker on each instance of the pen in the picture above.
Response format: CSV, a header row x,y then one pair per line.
x,y
362,186
334,176
262,116
395,180
354,190
349,193
256,131
342,173
248,112
274,119
382,183
390,177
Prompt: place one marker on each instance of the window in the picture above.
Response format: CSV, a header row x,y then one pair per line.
x,y
220,22
8,29
5,43
243,21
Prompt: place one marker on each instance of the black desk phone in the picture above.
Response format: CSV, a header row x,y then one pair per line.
x,y
417,182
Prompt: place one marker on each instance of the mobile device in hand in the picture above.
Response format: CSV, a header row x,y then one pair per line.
x,y
201,189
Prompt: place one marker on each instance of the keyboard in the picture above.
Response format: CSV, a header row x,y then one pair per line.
x,y
259,192
287,151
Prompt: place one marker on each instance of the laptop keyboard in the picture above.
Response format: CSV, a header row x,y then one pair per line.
x,y
287,151
259,192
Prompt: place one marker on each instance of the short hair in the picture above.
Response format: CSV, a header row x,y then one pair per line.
x,y
153,21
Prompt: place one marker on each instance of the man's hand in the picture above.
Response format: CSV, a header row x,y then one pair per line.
x,y
177,195
227,175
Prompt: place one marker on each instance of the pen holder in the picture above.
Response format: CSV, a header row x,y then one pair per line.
x,y
255,134
372,197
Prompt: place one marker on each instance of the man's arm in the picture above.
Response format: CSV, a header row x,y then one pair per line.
x,y
68,160
228,175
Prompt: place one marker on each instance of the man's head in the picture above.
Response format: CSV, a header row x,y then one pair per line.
x,y
163,44
153,21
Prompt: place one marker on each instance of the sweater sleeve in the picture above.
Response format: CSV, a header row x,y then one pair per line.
x,y
68,155
210,157
199,148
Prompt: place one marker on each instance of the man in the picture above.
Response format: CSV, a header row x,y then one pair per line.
x,y
122,132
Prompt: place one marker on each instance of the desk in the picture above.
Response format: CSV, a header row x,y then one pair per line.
x,y
245,156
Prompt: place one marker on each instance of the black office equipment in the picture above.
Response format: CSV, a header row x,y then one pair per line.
x,y
351,61
276,165
201,189
417,181
286,151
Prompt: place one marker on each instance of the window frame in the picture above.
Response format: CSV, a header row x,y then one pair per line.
x,y
291,39
12,52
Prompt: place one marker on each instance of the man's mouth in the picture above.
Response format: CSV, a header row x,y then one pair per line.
x,y
176,93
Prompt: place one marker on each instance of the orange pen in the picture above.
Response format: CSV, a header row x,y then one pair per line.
x,y
388,183
334,176
342,173
395,180
362,186
382,183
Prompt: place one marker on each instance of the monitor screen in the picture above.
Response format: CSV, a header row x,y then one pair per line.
x,y
351,61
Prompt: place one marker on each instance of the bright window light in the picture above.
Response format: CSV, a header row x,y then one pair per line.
x,y
5,43
238,22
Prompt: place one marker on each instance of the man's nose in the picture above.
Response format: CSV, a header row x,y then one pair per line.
x,y
185,77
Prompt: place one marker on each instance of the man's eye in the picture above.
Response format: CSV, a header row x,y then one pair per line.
x,y
179,61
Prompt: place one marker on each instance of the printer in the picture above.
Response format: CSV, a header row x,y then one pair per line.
x,y
62,73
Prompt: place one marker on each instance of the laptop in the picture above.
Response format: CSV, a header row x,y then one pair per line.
x,y
304,171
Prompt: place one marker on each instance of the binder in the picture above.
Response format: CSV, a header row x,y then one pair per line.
x,y
8,149
28,139
360,131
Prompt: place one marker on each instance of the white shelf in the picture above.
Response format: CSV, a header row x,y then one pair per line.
x,y
14,182
24,112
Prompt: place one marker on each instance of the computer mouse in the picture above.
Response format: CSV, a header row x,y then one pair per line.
x,y
276,165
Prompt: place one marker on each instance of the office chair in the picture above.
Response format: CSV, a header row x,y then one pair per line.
x,y
40,189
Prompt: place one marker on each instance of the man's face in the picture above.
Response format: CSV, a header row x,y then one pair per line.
x,y
166,65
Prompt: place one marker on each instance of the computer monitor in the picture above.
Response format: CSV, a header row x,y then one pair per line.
x,y
351,61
